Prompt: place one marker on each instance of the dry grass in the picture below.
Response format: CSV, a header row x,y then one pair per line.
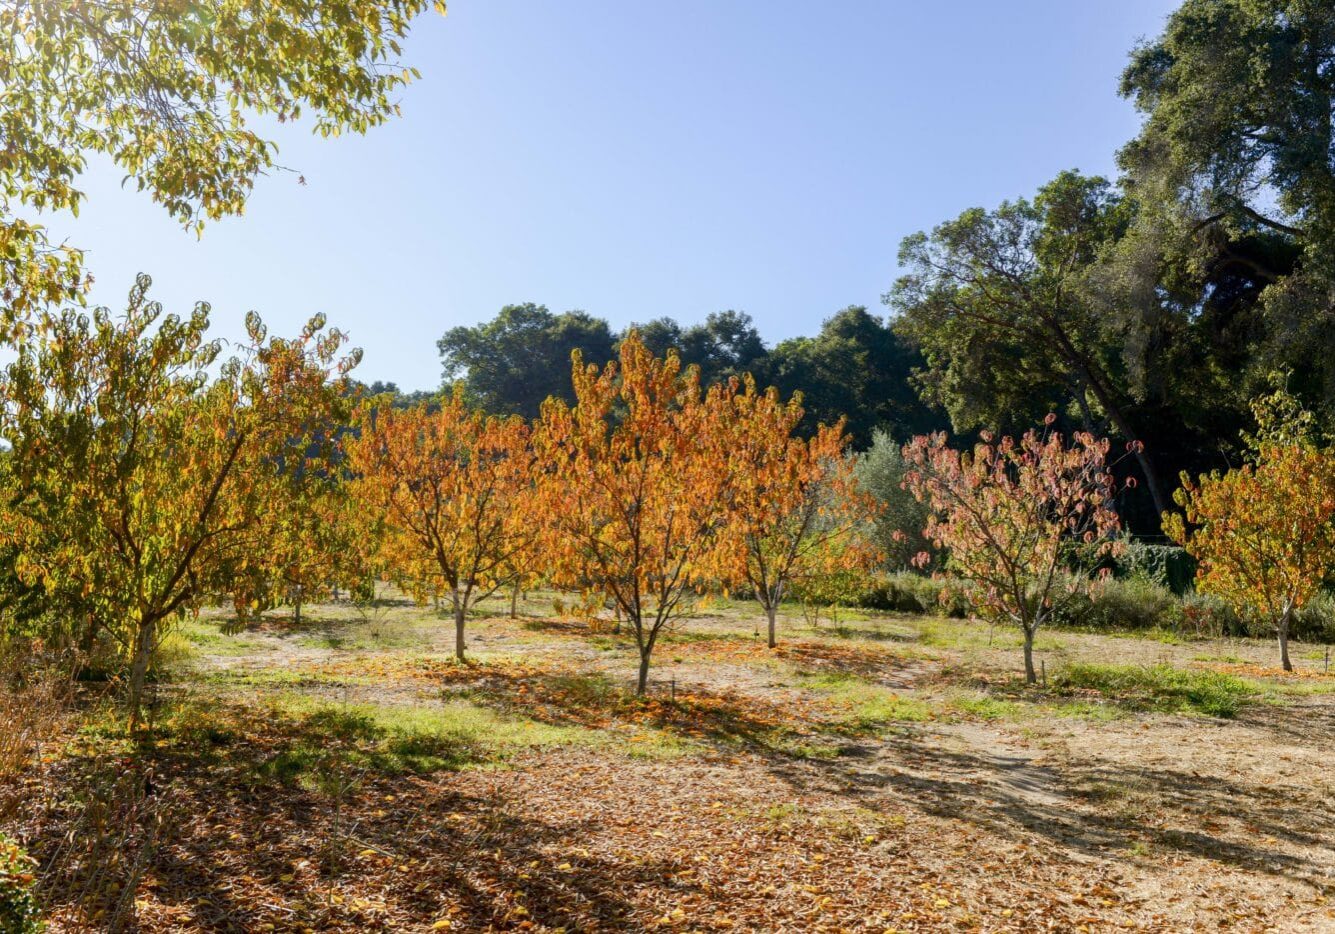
x,y
34,702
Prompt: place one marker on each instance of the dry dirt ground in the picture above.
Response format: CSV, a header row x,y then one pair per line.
x,y
882,774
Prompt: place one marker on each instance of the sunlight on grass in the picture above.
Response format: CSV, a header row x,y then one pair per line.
x,y
1159,687
868,705
208,638
986,707
391,739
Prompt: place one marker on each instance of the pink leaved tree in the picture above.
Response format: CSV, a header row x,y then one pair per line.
x,y
1026,522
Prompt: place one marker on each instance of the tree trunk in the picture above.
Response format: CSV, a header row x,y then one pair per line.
x,y
771,612
87,641
460,613
1283,629
514,602
643,684
296,608
1030,676
143,654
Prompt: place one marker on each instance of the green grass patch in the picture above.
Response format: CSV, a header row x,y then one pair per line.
x,y
992,708
208,638
1225,659
869,706
1159,687
402,738
986,707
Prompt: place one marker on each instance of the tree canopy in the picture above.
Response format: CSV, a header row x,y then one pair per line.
x,y
169,93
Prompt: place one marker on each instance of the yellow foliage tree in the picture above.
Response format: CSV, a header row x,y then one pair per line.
x,y
794,507
1263,534
141,482
166,90
455,487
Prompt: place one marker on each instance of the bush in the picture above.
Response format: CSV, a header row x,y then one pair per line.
x,y
1168,566
897,530
18,904
34,695
905,592
1138,603
1134,603
1314,622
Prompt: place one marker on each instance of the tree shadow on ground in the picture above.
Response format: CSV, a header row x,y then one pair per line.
x,y
1092,810
248,845
873,664
871,634
595,701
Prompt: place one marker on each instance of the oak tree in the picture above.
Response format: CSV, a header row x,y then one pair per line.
x,y
997,301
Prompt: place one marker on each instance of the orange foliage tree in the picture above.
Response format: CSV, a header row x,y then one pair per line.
x,y
794,504
1024,521
313,548
455,487
156,476
634,483
1264,534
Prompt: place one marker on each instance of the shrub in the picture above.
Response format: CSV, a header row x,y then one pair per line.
x,y
18,904
1168,566
1134,603
1138,603
843,587
1315,622
906,592
897,530
33,702
1204,615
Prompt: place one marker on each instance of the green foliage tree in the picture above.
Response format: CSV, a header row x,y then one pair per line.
x,y
166,91
725,344
141,480
512,363
856,369
997,302
1235,161
897,529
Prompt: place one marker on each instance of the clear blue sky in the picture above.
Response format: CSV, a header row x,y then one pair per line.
x,y
639,159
